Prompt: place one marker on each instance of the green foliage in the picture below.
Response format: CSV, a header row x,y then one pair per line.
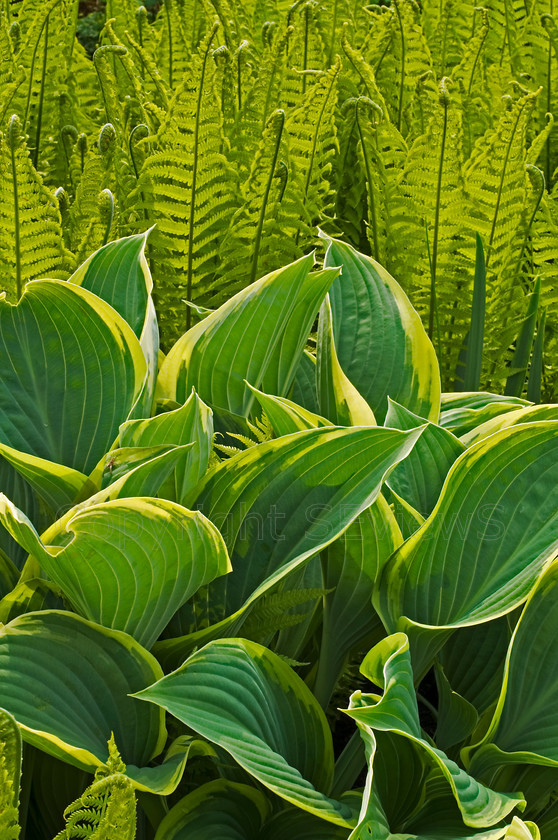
x,y
201,601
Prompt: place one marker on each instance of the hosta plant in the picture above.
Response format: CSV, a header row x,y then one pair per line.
x,y
238,125
266,585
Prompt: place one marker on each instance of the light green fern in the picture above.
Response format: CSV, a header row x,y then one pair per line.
x,y
10,775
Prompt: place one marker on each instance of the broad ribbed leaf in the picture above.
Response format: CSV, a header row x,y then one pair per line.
x,y
389,666
381,343
286,417
219,809
297,824
419,478
258,336
130,563
119,274
338,398
524,727
71,371
66,681
462,412
529,414
191,423
244,698
280,502
479,554
351,566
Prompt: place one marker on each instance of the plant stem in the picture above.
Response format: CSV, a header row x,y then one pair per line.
x,y
259,229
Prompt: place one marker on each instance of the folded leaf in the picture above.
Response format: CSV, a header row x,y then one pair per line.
x,y
244,698
380,341
130,563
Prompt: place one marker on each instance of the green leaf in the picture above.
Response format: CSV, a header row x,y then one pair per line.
x,y
62,339
66,681
480,552
389,666
419,478
279,503
10,774
475,338
536,367
221,809
191,423
520,360
258,336
380,341
300,825
351,566
529,414
130,563
285,416
304,390
244,698
339,400
119,274
524,727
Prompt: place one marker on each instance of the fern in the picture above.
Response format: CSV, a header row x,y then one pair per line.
x,y
306,54
262,234
312,148
189,189
10,774
107,808
447,26
31,243
172,54
272,613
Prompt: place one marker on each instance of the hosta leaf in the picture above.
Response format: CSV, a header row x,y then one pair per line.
x,y
461,413
191,423
524,727
280,502
66,681
258,336
351,566
419,478
339,400
62,339
286,417
530,414
297,824
130,563
480,552
244,698
304,390
56,485
389,666
222,809
119,274
380,341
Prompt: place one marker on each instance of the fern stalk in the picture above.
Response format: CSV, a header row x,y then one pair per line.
x,y
373,220
280,121
402,69
169,33
444,102
13,128
41,98
191,220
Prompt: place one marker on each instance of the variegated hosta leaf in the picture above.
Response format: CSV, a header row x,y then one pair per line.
x,y
351,565
66,681
279,503
389,666
524,727
286,416
119,274
529,414
258,336
419,478
59,340
480,552
339,400
244,698
380,341
462,412
128,564
191,423
223,809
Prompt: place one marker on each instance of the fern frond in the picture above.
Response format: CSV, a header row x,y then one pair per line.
x,y
258,102
506,20
189,187
447,26
306,52
262,233
312,148
350,178
106,809
31,243
10,774
172,54
273,612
